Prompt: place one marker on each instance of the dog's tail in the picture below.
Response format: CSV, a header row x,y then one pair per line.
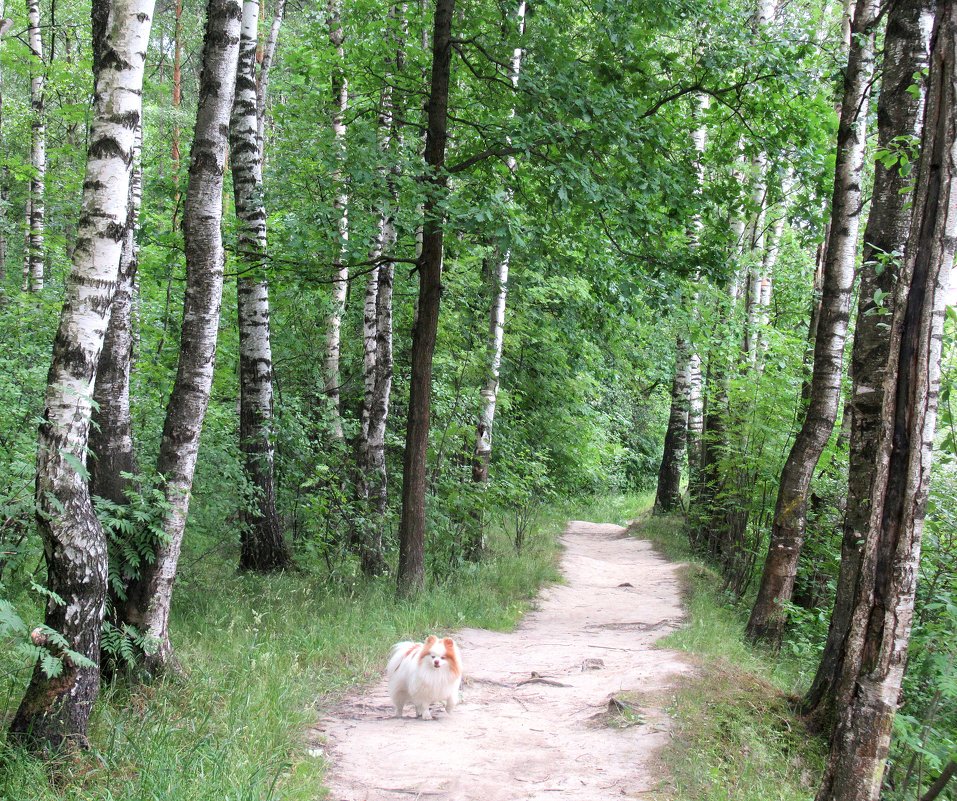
x,y
399,652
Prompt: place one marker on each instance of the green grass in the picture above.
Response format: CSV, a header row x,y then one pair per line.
x,y
261,658
735,734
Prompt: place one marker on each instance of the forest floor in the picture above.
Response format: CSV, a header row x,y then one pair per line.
x,y
570,703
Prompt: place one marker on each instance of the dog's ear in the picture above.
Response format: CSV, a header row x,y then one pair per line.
x,y
430,641
449,644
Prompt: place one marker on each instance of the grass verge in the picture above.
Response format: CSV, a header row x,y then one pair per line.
x,y
261,657
735,735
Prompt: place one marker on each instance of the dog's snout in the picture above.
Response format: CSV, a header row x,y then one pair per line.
x,y
437,663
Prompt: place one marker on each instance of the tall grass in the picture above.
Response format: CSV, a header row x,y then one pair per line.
x,y
736,735
261,657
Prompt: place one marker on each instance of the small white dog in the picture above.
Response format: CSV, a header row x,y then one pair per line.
x,y
423,674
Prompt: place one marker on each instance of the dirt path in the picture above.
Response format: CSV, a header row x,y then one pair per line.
x,y
516,736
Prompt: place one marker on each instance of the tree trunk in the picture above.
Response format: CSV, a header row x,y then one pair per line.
x,y
56,711
36,215
899,114
668,496
499,285
263,546
787,532
175,151
111,438
948,773
149,600
340,286
262,82
883,603
372,481
411,576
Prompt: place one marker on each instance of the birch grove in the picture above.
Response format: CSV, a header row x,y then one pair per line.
x,y
787,534
591,249
881,615
55,711
150,596
900,114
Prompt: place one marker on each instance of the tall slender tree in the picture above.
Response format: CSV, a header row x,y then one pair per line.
x,y
377,329
33,269
499,292
340,285
55,711
899,117
263,546
411,575
790,516
883,603
149,597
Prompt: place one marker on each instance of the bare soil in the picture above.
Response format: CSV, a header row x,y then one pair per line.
x,y
551,710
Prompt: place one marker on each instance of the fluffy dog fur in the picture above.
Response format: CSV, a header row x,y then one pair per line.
x,y
424,673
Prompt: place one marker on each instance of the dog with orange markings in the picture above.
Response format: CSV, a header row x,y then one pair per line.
x,y
424,673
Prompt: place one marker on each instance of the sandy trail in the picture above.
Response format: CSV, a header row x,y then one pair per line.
x,y
511,738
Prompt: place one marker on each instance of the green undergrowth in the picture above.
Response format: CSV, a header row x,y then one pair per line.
x,y
736,735
261,658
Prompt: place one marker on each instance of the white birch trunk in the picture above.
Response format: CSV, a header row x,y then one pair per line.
x,y
699,138
111,440
340,286
377,336
787,533
489,391
36,213
150,597
262,83
57,710
263,546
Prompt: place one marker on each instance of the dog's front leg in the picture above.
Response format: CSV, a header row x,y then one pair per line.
x,y
423,712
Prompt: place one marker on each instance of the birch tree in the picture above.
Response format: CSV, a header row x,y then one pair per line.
x,y
340,285
668,495
899,116
787,532
499,287
149,597
411,575
33,267
883,601
55,711
263,546
111,438
377,334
